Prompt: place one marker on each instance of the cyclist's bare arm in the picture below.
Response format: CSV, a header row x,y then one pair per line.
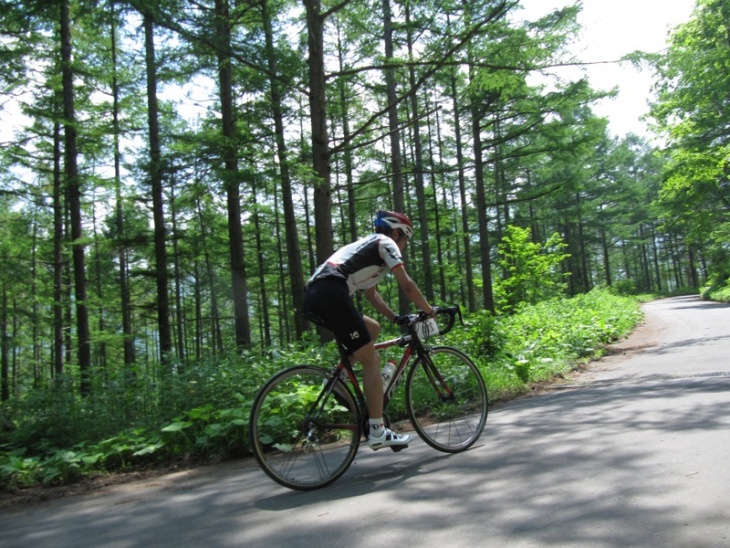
x,y
372,295
411,290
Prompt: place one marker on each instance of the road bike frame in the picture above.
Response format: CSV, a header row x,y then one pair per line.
x,y
307,422
413,345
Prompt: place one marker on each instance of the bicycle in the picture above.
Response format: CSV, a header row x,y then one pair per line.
x,y
307,422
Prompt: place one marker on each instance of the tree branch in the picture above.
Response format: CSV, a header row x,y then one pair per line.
x,y
497,12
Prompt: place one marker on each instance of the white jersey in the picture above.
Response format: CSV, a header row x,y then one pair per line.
x,y
362,263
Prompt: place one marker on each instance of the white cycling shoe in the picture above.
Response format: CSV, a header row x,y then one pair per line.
x,y
389,439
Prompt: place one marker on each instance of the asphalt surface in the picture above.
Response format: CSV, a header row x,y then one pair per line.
x,y
632,452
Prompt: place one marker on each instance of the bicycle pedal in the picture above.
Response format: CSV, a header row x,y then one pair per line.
x,y
397,448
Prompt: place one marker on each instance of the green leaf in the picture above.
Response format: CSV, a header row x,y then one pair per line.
x,y
178,426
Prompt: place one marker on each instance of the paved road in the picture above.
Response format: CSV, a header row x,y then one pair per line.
x,y
633,452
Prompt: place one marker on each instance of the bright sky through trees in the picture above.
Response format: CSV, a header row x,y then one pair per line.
x,y
610,30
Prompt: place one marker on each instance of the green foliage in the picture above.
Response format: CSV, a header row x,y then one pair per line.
x,y
542,340
692,109
197,414
545,339
717,289
624,287
61,466
208,430
548,161
485,336
722,294
532,272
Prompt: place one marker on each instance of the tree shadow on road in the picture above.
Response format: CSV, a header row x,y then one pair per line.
x,y
568,468
595,466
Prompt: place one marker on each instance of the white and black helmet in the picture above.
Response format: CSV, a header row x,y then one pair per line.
x,y
390,220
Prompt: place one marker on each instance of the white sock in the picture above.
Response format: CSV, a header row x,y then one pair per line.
x,y
376,427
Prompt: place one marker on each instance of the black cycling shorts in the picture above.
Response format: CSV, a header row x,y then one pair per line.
x,y
329,301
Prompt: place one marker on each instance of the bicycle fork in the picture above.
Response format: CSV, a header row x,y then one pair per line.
x,y
443,391
312,421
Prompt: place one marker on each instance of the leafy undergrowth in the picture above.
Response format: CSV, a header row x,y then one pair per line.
x,y
546,340
717,291
514,353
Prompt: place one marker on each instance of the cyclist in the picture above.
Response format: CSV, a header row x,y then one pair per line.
x,y
359,266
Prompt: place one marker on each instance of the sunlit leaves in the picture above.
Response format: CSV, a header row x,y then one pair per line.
x,y
693,109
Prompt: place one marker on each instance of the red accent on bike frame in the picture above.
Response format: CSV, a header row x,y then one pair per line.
x,y
400,370
350,375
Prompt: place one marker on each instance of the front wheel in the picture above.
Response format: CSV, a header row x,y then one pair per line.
x,y
446,399
302,436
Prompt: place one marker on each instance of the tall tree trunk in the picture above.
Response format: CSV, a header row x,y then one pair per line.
x,y
346,135
434,190
216,336
463,200
100,352
265,327
179,313
58,259
571,263
33,282
655,253
481,198
198,307
4,348
124,296
233,190
606,257
310,251
161,275
68,297
463,197
694,280
294,255
73,189
676,261
500,183
425,246
282,296
585,269
396,160
320,146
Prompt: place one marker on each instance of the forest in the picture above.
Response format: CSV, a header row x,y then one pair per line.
x,y
173,171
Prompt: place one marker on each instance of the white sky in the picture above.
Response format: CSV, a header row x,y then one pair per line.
x,y
611,29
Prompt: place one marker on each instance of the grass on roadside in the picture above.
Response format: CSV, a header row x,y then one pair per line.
x,y
203,414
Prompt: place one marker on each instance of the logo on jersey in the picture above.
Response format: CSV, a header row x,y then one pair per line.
x,y
354,335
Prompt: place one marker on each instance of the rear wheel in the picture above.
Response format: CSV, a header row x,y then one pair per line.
x,y
446,399
303,438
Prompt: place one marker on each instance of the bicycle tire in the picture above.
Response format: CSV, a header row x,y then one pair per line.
x,y
446,399
300,440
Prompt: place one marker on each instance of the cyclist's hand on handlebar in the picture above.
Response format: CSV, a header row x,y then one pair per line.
x,y
400,320
434,312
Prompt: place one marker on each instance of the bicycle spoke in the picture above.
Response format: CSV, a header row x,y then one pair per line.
x,y
304,438
447,400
